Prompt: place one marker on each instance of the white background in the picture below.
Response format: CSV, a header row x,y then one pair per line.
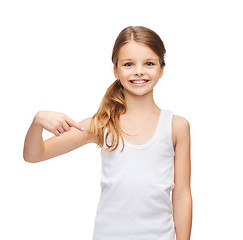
x,y
56,55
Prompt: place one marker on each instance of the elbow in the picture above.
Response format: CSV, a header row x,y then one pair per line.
x,y
30,159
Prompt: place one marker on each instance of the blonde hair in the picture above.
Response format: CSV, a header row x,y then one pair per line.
x,y
113,103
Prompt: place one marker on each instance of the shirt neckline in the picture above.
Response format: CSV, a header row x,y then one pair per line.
x,y
147,144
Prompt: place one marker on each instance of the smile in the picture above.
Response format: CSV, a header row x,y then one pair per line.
x,y
139,82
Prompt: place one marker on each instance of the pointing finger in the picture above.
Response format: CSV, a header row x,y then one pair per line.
x,y
74,124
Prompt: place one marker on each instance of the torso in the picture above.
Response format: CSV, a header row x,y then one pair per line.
x,y
143,128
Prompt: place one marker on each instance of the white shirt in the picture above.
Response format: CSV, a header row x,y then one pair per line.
x,y
136,185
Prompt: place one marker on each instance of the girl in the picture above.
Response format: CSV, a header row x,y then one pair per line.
x,y
145,150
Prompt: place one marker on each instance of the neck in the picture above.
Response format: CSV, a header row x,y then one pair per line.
x,y
140,105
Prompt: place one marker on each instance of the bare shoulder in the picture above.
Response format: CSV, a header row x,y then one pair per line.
x,y
181,128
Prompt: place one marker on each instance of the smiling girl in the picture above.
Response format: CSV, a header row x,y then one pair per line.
x,y
145,150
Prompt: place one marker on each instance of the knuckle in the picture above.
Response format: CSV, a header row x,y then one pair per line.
x,y
53,129
59,121
63,116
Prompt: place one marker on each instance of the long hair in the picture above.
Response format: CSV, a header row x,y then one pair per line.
x,y
113,103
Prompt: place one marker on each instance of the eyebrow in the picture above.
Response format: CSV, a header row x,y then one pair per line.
x,y
129,59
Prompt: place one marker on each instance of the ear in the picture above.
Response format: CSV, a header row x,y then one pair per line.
x,y
115,70
161,71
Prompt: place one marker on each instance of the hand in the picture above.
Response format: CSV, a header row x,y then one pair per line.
x,y
55,122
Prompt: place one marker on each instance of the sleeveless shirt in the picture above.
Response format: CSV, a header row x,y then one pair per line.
x,y
136,184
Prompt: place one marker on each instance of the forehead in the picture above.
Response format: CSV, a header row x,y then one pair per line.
x,y
135,50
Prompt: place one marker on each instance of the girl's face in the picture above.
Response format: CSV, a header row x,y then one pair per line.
x,y
138,68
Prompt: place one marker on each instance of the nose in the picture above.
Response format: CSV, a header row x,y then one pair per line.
x,y
139,70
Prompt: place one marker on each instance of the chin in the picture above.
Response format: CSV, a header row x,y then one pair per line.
x,y
138,93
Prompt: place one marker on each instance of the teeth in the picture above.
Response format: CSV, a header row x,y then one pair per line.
x,y
139,81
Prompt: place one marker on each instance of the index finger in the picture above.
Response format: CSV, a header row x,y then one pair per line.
x,y
72,123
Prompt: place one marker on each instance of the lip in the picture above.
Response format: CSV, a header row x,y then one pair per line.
x,y
139,84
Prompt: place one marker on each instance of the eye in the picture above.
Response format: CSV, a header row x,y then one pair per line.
x,y
149,64
128,64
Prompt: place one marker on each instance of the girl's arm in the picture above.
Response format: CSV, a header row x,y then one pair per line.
x,y
181,194
69,135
